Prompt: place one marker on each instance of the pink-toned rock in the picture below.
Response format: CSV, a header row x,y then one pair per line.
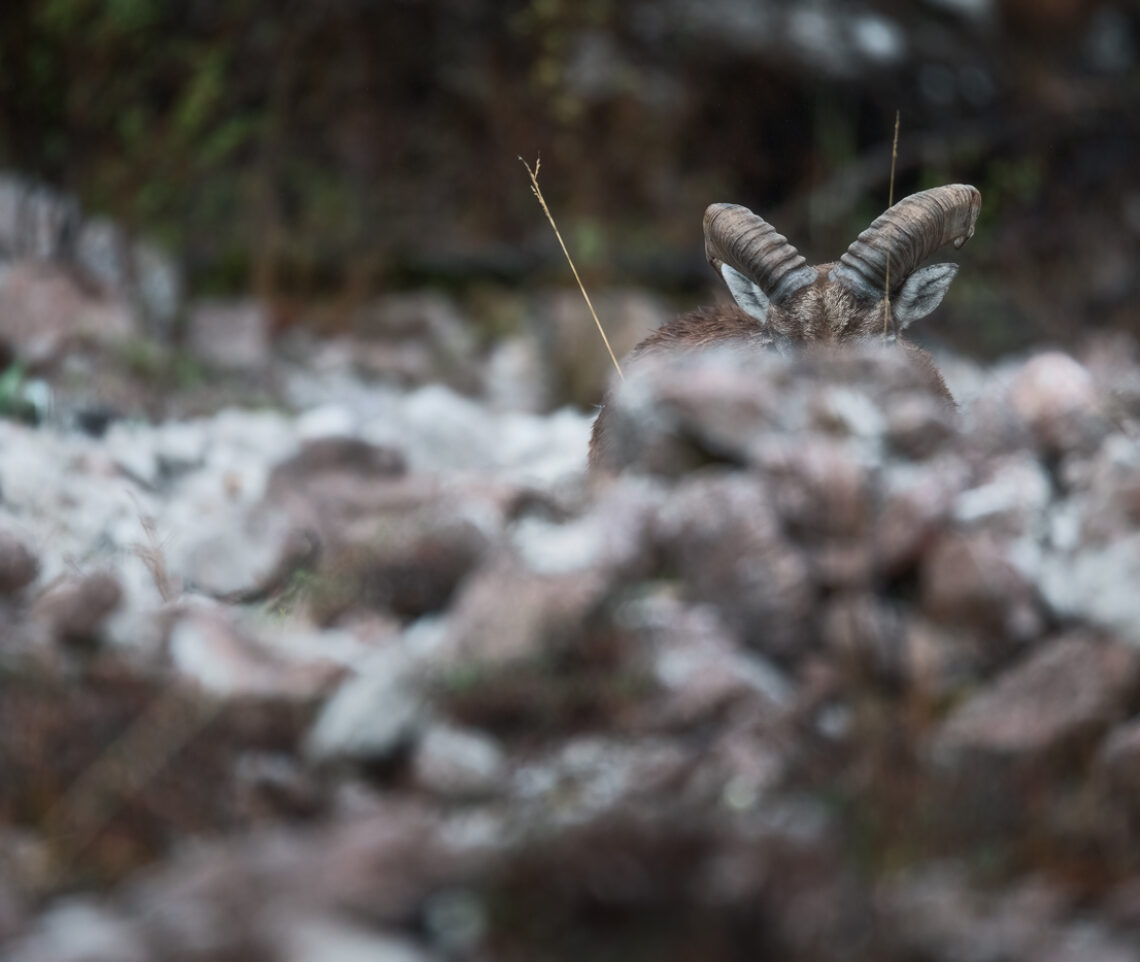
x,y
818,487
723,537
416,338
700,668
74,610
1119,759
387,540
18,566
1057,399
1066,690
230,335
506,614
919,425
44,311
934,911
915,505
969,581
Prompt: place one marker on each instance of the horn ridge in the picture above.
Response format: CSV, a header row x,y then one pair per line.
x,y
907,234
749,244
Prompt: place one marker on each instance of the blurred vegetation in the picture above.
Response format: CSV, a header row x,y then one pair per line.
x,y
328,146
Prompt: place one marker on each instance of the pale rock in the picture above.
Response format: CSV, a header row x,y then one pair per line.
x,y
79,930
241,554
232,335
1097,583
308,939
457,763
327,421
372,714
230,661
1057,398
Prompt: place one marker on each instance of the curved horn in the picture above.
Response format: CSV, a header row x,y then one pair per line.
x,y
748,243
908,233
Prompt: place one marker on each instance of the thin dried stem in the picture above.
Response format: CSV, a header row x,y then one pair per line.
x,y
890,204
582,287
166,726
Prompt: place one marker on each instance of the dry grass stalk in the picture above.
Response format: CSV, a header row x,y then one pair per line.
x,y
168,724
582,287
153,557
890,204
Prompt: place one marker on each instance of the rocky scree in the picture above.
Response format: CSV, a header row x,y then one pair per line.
x,y
825,672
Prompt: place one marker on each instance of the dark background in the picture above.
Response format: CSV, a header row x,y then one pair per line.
x,y
330,150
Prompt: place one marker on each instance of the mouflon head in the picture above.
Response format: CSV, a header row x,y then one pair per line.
x,y
793,301
877,287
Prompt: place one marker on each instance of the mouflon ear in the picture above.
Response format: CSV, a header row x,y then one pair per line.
x,y
922,293
746,293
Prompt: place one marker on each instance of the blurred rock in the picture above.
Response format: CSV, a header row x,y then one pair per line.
x,y
970,581
743,695
74,610
516,377
1056,397
458,763
935,912
916,504
82,931
1066,691
507,615
416,338
45,312
136,270
1097,583
248,556
700,667
918,426
1108,491
372,715
587,778
233,336
1010,495
722,535
307,939
35,221
229,661
1119,759
387,541
18,566
573,350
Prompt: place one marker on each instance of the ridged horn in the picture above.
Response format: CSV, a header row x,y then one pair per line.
x,y
908,233
745,241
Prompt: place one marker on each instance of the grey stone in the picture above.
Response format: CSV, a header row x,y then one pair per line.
x,y
1098,584
372,714
457,763
338,940
229,660
81,931
230,335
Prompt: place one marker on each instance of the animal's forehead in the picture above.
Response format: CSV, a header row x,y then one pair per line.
x,y
825,309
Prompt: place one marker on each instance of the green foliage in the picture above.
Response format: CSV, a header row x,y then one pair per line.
x,y
11,387
15,401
